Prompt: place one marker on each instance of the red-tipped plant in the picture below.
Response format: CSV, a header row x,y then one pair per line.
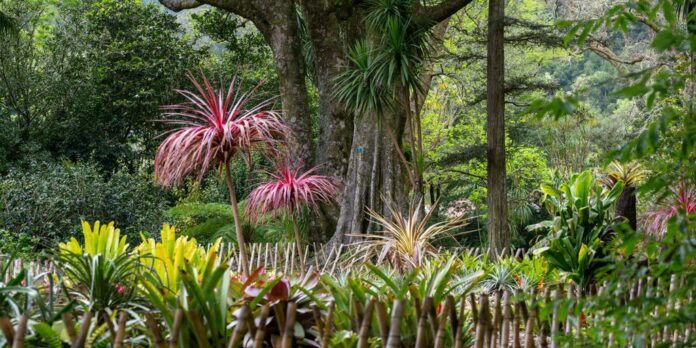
x,y
213,127
684,199
288,190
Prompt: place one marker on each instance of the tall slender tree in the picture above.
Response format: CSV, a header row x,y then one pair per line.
x,y
498,231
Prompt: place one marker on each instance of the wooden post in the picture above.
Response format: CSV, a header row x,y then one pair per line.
x,y
423,322
440,336
327,326
289,331
21,332
394,340
121,330
383,322
261,327
529,327
241,328
542,328
8,329
507,317
364,334
460,327
482,323
84,330
497,316
516,325
554,317
570,296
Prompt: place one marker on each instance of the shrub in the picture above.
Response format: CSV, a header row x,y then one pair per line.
x,y
209,221
48,200
17,244
580,229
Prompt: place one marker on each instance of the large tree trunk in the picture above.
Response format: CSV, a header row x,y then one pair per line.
x,y
498,233
283,36
335,123
375,174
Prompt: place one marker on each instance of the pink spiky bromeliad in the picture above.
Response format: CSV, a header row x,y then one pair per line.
x,y
288,190
213,126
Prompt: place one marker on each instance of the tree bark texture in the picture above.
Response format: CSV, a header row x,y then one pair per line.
x,y
498,232
375,174
626,206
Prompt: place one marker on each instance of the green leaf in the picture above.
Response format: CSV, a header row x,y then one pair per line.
x,y
664,40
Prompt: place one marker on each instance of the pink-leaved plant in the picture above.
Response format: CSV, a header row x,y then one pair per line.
x,y
213,126
288,190
683,199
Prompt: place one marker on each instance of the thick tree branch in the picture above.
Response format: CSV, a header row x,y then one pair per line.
x,y
603,50
443,10
243,8
179,5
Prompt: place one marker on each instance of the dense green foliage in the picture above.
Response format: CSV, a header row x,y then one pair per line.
x,y
59,94
46,201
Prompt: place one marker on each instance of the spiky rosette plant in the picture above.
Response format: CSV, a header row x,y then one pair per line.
x,y
214,126
288,190
683,199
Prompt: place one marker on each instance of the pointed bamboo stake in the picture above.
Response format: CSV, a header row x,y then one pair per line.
x,y
474,312
154,328
121,331
529,327
482,323
338,257
84,330
554,317
394,340
241,328
289,332
8,329
357,313
460,327
440,336
507,317
21,332
261,327
304,257
316,256
176,327
275,259
543,333
570,296
109,325
517,318
497,315
69,326
328,326
364,334
383,322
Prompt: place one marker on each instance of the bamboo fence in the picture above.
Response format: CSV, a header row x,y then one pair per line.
x,y
480,320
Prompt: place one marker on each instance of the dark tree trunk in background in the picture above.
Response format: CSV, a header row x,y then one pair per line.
x,y
498,232
626,206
